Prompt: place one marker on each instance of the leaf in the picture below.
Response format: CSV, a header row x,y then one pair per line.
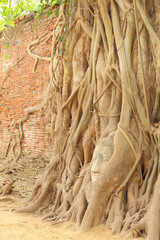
x,y
61,39
2,24
54,3
40,8
56,12
38,15
2,27
10,22
49,13
5,56
60,52
7,45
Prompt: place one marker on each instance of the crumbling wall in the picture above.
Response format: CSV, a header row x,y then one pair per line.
x,y
22,87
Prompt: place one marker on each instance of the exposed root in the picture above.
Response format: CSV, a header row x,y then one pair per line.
x,y
153,214
7,199
42,193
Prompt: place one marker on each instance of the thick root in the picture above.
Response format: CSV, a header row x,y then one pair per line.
x,y
43,192
153,215
118,213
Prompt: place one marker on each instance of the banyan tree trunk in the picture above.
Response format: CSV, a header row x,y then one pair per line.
x,y
104,85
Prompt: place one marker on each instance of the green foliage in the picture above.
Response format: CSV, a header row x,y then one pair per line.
x,y
61,39
59,2
5,56
56,12
49,13
35,26
6,46
2,24
10,10
60,52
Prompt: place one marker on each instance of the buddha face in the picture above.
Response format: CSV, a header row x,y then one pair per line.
x,y
102,154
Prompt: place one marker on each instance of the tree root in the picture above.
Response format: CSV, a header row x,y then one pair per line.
x,y
116,214
43,192
7,199
153,214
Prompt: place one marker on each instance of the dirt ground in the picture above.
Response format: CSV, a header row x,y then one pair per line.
x,y
15,226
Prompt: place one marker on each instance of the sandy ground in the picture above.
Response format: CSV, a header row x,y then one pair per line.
x,y
15,226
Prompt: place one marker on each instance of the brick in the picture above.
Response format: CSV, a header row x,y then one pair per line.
x,y
25,88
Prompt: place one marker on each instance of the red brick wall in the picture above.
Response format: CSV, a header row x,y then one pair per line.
x,y
23,88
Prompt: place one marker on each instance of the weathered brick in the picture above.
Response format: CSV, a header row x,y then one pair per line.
x,y
24,88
